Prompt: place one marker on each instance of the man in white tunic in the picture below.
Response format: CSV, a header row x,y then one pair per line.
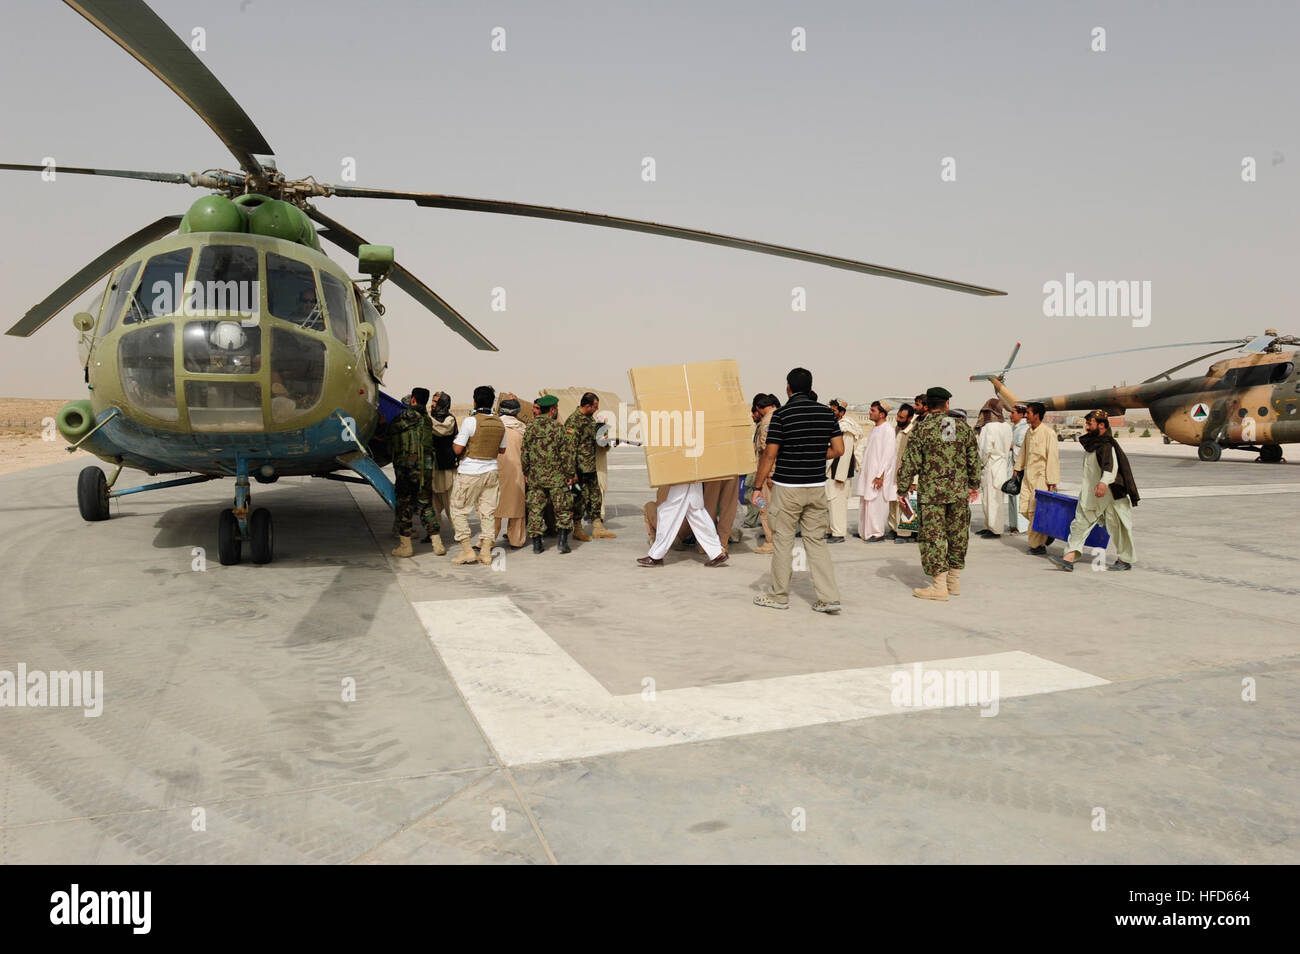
x,y
685,502
876,480
1016,522
1106,495
995,440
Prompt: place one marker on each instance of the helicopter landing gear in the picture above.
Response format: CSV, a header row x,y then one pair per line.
x,y
261,536
236,525
1270,454
92,494
228,540
1209,451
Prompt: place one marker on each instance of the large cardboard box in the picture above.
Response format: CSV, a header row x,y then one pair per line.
x,y
694,421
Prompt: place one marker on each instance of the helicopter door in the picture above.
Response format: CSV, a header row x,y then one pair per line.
x,y
377,346
1286,393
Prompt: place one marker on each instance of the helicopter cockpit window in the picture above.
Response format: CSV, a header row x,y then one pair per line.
x,y
297,374
1251,376
225,280
224,405
222,347
161,286
338,302
291,292
117,297
145,359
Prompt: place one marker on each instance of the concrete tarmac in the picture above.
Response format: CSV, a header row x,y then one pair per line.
x,y
341,705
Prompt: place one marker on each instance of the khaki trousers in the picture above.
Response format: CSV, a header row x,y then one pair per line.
x,y
722,497
471,491
801,508
837,502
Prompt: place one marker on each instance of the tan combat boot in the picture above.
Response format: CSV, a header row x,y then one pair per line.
x,y
954,582
466,554
439,548
598,531
938,590
485,552
579,533
403,548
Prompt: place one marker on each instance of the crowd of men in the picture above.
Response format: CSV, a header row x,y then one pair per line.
x,y
495,465
916,481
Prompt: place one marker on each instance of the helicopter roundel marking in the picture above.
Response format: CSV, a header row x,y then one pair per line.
x,y
1200,412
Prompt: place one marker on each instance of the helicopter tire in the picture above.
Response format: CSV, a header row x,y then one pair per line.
x,y
92,494
1209,451
261,536
1271,453
228,542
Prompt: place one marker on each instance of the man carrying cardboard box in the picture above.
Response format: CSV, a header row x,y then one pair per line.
x,y
801,437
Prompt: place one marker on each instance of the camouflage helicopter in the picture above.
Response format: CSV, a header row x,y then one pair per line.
x,y
1251,402
236,347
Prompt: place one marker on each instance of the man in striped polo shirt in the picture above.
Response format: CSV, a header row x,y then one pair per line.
x,y
802,436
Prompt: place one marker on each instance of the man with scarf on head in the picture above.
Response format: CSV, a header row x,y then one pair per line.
x,y
994,441
444,462
1107,495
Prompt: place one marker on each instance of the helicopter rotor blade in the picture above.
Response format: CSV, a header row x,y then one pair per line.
x,y
1200,357
68,292
1104,354
461,203
1011,360
179,178
351,242
142,33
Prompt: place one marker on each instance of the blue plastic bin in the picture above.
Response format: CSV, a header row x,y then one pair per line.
x,y
1053,514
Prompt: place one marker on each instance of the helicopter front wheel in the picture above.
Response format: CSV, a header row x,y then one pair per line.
x,y
1271,454
228,542
1209,451
92,494
261,537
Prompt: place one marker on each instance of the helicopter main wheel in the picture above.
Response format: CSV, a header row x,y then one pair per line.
x,y
1209,451
261,535
228,543
1270,454
92,494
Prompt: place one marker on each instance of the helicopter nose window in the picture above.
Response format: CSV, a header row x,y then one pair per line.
x,y
224,405
226,279
297,374
222,347
161,286
117,298
145,359
291,292
339,304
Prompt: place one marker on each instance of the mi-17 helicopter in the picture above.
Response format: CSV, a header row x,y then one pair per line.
x,y
237,348
1251,402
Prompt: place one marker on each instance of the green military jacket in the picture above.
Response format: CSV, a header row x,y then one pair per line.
x,y
582,431
406,440
426,441
942,452
548,453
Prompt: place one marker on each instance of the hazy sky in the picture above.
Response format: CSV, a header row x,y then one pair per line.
x,y
1116,165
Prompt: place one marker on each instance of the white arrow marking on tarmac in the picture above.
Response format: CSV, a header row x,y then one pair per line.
x,y
537,704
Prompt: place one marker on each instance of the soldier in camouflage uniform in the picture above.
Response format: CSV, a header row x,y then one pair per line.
x,y
407,441
581,426
943,454
549,470
428,515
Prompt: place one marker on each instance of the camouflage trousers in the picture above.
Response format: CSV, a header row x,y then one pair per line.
x,y
407,486
428,515
588,503
944,536
536,498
